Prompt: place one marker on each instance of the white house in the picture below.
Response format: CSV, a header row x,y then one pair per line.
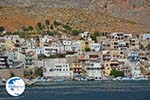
x,y
66,42
146,36
95,46
85,35
121,35
94,70
60,70
47,51
57,68
76,46
67,45
136,71
39,51
12,37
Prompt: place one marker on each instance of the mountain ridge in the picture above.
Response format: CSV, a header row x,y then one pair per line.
x,y
135,11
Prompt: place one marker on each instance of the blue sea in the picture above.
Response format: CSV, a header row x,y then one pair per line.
x,y
91,90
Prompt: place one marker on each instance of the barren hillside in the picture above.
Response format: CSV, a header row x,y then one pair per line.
x,y
92,15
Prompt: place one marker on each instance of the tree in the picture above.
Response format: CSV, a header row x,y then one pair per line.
x,y
39,25
51,33
30,28
2,28
38,72
117,73
26,73
76,32
47,22
25,28
52,27
56,23
94,37
87,49
67,27
96,33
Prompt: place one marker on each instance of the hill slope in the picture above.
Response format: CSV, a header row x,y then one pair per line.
x,y
92,15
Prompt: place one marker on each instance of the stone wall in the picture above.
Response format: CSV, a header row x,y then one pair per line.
x,y
7,73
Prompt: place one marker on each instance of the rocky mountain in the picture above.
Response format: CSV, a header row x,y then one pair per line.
x,y
101,15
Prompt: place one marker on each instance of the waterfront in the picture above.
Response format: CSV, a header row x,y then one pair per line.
x,y
90,90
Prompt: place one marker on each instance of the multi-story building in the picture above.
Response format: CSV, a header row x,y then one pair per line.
x,y
3,62
57,68
95,46
94,70
77,69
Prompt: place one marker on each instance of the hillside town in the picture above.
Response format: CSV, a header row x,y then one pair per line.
x,y
109,56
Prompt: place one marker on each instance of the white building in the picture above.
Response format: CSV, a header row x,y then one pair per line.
x,y
95,46
146,36
47,39
67,45
85,35
76,46
57,68
47,51
12,37
39,51
121,35
94,70
136,71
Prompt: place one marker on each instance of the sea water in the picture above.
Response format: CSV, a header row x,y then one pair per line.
x,y
88,90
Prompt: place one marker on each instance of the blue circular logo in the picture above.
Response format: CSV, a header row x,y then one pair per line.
x,y
15,86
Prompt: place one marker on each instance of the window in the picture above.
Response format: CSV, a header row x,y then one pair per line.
x,y
58,69
58,66
92,64
121,52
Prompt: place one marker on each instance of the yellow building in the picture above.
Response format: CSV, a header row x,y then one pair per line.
x,y
76,68
107,70
82,44
9,45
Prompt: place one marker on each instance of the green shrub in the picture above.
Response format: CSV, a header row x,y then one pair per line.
x,y
76,32
39,25
56,23
67,27
47,22
117,73
87,49
25,28
93,37
30,28
38,72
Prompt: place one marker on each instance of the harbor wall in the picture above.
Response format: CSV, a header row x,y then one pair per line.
x,y
7,73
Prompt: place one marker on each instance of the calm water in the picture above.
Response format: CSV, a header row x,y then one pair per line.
x,y
97,90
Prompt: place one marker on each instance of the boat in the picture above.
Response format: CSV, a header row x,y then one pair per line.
x,y
90,79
